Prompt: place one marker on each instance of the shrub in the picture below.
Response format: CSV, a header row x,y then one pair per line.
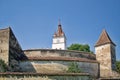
x,y
118,66
3,66
73,68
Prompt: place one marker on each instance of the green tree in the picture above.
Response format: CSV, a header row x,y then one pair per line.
x,y
3,66
80,47
118,66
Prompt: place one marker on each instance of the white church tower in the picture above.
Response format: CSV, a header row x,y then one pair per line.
x,y
59,39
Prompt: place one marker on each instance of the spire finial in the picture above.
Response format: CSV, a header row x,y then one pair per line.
x,y
59,22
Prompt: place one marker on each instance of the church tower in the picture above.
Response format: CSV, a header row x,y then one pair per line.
x,y
105,54
59,39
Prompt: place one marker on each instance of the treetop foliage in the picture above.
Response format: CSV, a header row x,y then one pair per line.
x,y
80,47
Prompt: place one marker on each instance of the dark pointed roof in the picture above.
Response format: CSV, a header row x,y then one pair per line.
x,y
104,39
59,32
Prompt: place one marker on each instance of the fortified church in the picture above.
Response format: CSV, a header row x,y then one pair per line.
x,y
54,62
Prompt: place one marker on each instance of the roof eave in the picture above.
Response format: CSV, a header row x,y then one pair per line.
x,y
104,44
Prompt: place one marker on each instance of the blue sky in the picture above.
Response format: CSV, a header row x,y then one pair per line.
x,y
34,21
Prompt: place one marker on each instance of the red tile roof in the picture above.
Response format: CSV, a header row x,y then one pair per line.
x,y
104,39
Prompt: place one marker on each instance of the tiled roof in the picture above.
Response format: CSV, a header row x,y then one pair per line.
x,y
59,32
104,39
61,59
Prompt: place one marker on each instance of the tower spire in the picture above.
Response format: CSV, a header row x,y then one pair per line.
x,y
59,32
59,39
104,38
59,22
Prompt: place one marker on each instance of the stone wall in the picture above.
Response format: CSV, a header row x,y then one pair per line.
x,y
54,61
58,66
39,76
4,45
105,54
10,50
15,52
58,53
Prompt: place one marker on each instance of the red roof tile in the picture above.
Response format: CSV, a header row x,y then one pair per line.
x,y
104,39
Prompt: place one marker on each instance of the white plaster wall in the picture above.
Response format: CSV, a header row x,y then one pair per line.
x,y
59,43
61,39
59,46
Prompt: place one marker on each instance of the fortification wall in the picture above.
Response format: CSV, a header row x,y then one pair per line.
x,y
59,66
4,45
58,53
10,50
15,52
52,60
